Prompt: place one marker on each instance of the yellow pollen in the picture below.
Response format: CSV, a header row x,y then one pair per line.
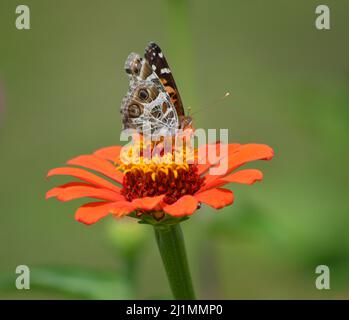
x,y
135,163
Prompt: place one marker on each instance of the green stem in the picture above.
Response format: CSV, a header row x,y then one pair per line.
x,y
171,245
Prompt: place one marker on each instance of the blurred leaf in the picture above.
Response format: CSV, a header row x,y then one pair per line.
x,y
76,282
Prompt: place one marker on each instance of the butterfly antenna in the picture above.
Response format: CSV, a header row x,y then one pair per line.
x,y
227,94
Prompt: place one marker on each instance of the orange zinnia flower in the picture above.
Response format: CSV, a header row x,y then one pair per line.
x,y
153,190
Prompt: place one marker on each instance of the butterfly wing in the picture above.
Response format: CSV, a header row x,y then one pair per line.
x,y
147,106
159,65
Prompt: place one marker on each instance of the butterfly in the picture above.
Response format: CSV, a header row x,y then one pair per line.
x,y
152,104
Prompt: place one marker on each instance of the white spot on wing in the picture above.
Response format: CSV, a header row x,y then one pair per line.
x,y
152,76
165,70
160,55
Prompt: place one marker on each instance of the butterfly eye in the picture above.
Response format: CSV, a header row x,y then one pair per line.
x,y
134,111
143,94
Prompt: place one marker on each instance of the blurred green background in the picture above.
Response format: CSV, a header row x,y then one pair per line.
x,y
62,82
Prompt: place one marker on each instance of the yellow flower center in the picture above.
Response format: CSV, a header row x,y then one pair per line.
x,y
151,171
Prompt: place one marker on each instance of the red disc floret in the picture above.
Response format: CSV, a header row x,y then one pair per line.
x,y
139,184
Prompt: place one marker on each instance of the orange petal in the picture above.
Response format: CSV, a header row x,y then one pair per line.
x,y
202,168
184,206
247,153
85,176
54,192
247,176
148,203
98,164
122,208
109,153
75,192
92,212
243,154
216,198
